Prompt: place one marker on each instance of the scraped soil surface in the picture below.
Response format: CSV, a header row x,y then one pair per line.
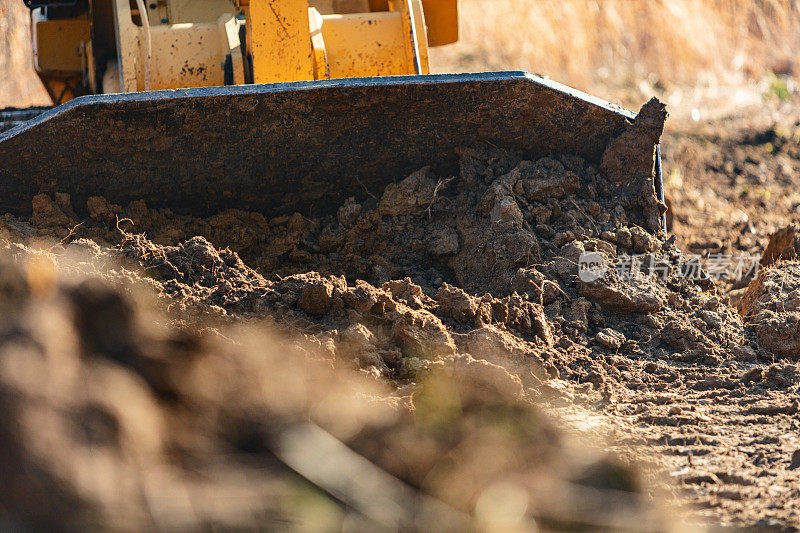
x,y
475,273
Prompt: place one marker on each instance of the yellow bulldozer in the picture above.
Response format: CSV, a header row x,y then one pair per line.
x,y
277,106
113,46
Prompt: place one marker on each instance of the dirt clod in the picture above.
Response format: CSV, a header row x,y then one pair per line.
x,y
316,297
795,461
772,302
610,338
630,156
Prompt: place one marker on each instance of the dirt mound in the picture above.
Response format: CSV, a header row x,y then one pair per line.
x,y
783,244
117,416
436,258
772,304
547,271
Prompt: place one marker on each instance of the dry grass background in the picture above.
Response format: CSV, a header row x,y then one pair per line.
x,y
623,41
601,46
692,53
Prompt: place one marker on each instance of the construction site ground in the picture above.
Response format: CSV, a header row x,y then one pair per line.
x,y
439,329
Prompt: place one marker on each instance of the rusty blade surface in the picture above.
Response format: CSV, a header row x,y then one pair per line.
x,y
290,147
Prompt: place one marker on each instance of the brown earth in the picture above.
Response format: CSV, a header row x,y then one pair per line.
x,y
122,417
435,273
731,182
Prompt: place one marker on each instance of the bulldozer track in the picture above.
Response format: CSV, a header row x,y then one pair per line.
x,y
13,116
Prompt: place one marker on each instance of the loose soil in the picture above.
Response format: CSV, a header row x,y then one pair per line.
x,y
453,284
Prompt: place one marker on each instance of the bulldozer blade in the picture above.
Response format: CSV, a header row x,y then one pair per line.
x,y
289,147
11,116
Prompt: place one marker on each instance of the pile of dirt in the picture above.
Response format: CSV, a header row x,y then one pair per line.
x,y
772,305
553,273
119,417
436,264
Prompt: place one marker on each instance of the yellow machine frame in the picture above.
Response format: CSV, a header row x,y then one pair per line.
x,y
197,43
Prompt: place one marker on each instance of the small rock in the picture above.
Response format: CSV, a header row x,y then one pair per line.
x,y
542,214
605,247
563,238
443,243
795,463
506,211
712,319
565,343
701,479
754,375
100,209
546,178
567,263
642,241
623,237
411,196
528,280
422,335
543,230
634,295
362,297
533,283
358,342
456,303
577,314
349,212
610,338
744,354
47,213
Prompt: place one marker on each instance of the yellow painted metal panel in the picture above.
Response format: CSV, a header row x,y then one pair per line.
x,y
58,44
340,7
409,36
422,36
279,40
323,7
187,55
350,6
287,41
127,34
366,44
379,5
230,37
194,11
441,18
